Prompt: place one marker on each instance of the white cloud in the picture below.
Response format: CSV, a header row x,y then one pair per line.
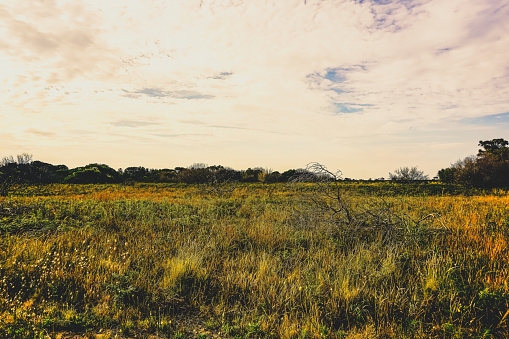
x,y
419,66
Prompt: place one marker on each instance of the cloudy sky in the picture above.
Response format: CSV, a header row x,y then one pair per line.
x,y
365,86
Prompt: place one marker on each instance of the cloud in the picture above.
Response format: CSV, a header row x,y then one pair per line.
x,y
40,133
222,76
162,135
244,129
491,119
133,123
319,73
409,76
348,108
159,93
56,42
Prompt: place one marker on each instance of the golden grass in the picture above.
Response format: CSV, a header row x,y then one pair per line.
x,y
256,262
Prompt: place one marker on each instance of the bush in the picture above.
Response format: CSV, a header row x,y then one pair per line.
x,y
93,174
408,174
480,172
489,169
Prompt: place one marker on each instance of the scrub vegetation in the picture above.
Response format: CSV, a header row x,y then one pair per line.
x,y
325,259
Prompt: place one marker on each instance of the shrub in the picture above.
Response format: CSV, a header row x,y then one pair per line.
x,y
93,174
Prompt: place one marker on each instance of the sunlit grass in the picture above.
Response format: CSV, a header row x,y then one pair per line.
x,y
258,261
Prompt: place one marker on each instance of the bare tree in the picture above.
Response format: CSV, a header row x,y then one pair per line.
x,y
24,158
328,195
408,174
198,165
10,173
21,159
349,220
7,160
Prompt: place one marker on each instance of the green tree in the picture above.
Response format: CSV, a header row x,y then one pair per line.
x,y
135,174
93,174
489,169
14,172
497,148
251,174
447,175
195,174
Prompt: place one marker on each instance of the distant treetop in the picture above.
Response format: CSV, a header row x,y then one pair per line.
x,y
489,169
407,174
495,147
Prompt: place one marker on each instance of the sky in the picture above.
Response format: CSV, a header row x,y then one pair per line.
x,y
361,86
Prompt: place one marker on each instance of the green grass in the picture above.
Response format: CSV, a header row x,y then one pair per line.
x,y
265,261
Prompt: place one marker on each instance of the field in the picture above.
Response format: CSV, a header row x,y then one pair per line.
x,y
254,261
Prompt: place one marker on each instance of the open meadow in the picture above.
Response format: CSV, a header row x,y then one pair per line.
x,y
375,260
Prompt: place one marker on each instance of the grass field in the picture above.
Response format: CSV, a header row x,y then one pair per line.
x,y
253,261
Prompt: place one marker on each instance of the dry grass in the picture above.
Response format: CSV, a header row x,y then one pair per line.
x,y
259,261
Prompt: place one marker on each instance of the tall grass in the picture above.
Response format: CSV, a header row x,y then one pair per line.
x,y
258,261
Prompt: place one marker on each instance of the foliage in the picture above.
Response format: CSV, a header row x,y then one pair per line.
x,y
446,175
489,169
407,174
92,174
497,148
139,174
21,159
25,171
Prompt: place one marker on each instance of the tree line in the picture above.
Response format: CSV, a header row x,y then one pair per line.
x,y
23,170
488,169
